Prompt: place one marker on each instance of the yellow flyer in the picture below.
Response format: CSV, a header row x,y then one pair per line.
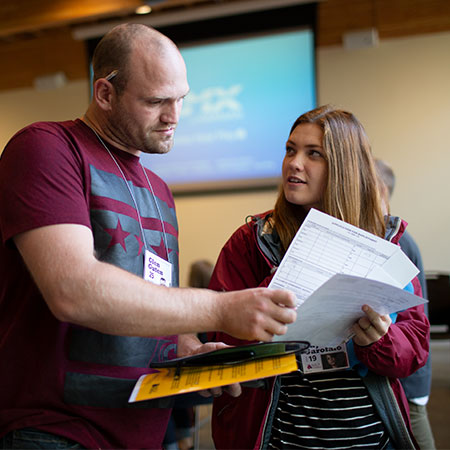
x,y
173,381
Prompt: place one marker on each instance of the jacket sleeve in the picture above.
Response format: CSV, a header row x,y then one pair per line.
x,y
404,348
240,265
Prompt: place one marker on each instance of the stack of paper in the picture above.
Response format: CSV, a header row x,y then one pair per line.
x,y
325,246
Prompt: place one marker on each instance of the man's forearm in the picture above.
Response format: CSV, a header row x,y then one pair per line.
x,y
80,289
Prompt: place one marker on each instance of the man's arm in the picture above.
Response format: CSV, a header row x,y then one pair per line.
x,y
82,290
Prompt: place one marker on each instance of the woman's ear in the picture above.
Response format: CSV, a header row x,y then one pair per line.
x,y
103,93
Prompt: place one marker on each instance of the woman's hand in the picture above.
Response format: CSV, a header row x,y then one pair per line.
x,y
371,327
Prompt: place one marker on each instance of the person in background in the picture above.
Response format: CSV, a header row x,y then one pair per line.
x,y
418,385
200,273
87,235
328,165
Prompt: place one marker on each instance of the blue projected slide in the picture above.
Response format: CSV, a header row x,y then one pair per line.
x,y
245,95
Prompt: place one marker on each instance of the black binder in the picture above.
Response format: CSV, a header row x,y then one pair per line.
x,y
236,355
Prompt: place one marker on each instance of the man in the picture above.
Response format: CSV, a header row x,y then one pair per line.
x,y
84,229
418,385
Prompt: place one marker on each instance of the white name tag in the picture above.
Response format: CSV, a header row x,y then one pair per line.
x,y
324,359
157,270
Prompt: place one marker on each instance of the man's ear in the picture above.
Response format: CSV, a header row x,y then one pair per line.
x,y
103,93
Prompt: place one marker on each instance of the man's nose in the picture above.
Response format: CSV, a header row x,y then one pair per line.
x,y
171,112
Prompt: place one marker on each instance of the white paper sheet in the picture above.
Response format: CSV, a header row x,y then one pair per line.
x,y
325,246
326,317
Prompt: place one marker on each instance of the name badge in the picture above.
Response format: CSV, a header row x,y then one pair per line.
x,y
324,359
157,270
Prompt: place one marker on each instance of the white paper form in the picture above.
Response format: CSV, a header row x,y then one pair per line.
x,y
325,246
326,317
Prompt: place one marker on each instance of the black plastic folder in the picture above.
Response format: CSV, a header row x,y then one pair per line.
x,y
236,355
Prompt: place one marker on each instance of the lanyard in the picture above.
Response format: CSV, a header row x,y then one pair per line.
x,y
134,199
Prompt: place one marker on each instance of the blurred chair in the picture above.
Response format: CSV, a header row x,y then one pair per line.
x,y
438,285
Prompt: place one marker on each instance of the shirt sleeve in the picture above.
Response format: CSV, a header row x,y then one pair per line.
x,y
41,182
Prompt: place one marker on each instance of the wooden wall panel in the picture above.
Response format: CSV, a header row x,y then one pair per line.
x,y
337,16
47,53
18,16
408,17
35,35
392,18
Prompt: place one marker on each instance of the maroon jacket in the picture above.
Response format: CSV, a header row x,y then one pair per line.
x,y
245,262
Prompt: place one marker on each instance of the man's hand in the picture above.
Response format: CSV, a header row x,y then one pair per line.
x,y
189,345
371,327
257,314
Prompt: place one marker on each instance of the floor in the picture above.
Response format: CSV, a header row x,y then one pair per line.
x,y
438,406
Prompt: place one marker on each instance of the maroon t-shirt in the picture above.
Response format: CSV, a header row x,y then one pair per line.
x,y
61,378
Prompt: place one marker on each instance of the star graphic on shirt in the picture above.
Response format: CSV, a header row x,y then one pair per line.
x,y
159,249
141,244
118,235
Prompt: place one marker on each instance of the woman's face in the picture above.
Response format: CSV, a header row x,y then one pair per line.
x,y
305,168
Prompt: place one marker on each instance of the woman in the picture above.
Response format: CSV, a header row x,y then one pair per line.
x,y
328,166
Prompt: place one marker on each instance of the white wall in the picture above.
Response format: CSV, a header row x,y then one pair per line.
x,y
207,222
399,90
20,107
401,93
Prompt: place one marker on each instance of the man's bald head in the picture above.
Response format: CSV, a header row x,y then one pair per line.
x,y
114,51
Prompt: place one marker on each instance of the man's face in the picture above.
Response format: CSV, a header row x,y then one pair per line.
x,y
144,117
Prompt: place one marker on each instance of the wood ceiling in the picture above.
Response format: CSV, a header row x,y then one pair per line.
x,y
37,36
